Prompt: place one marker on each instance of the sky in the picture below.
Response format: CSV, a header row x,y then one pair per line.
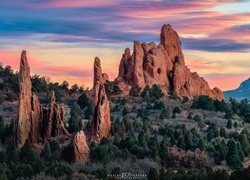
x,y
63,37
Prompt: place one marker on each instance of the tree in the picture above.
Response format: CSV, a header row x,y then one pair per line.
x,y
176,110
163,152
204,102
23,170
65,85
68,153
156,92
46,153
159,105
83,100
135,91
244,144
229,124
233,158
223,132
201,144
165,113
39,84
59,169
185,99
27,155
2,128
12,152
74,88
145,90
153,174
75,121
88,111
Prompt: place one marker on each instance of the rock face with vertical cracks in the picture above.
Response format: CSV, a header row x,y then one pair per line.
x,y
81,148
35,122
163,65
28,120
53,119
101,112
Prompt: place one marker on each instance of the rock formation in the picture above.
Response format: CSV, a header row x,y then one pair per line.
x,y
163,65
81,148
28,107
35,122
101,112
53,119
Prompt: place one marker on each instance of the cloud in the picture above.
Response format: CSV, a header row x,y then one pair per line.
x,y
215,45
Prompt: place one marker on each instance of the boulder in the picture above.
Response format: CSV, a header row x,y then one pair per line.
x,y
81,148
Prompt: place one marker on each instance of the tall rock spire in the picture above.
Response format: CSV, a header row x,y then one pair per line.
x,y
23,123
101,111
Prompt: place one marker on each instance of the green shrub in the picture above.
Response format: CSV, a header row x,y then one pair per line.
x,y
135,91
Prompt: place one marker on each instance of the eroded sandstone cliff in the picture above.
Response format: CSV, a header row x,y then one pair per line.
x,y
163,65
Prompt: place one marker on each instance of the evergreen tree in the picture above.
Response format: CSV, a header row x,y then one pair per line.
x,y
75,121
244,144
83,101
163,152
46,153
12,152
68,153
88,111
233,158
223,132
165,113
201,144
27,155
229,124
153,174
2,128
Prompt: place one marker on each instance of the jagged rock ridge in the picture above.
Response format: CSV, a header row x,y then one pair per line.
x,y
163,65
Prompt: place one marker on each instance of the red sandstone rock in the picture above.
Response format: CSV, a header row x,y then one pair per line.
x,y
163,65
36,117
101,112
53,119
81,148
23,124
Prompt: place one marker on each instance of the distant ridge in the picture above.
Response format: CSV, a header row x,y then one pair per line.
x,y
242,92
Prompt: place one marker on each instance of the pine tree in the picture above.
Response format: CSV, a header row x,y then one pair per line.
x,y
163,152
27,155
12,152
244,144
233,158
153,174
229,124
46,152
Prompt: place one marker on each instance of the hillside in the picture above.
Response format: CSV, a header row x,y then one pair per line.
x,y
242,92
149,132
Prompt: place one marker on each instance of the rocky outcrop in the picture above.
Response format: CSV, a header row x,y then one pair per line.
x,y
27,125
163,65
53,119
36,117
101,112
35,122
81,148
